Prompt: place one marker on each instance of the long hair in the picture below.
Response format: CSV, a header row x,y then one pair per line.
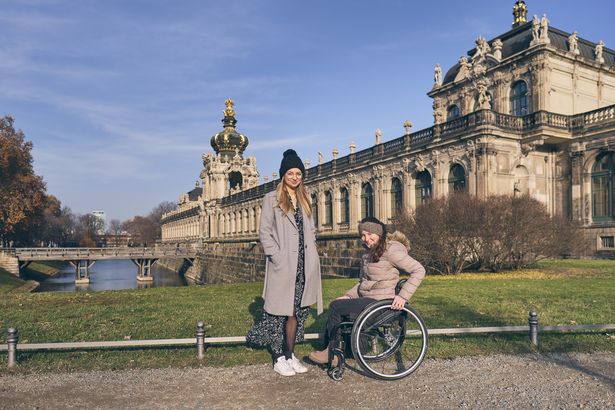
x,y
284,201
377,250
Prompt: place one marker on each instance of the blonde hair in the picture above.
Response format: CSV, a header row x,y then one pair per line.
x,y
284,201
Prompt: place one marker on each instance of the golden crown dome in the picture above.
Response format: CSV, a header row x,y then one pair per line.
x,y
229,141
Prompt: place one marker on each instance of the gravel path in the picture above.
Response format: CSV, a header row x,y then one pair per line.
x,y
495,382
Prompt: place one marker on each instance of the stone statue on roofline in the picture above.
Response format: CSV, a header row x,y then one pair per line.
x,y
598,52
573,43
437,76
535,29
464,69
482,48
544,29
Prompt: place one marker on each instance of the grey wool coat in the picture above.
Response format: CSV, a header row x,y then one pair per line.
x,y
280,239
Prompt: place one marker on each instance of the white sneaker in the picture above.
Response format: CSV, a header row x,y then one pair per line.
x,y
282,367
296,365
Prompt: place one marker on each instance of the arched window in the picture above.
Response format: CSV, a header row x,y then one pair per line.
x,y
603,175
457,179
367,200
452,112
235,180
315,209
423,187
396,197
519,99
328,208
344,206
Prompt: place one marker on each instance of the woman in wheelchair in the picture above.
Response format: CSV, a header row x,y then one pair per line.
x,y
380,266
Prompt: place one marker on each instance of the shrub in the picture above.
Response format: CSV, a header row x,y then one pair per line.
x,y
500,232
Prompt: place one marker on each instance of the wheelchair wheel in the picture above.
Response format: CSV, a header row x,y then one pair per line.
x,y
337,373
389,344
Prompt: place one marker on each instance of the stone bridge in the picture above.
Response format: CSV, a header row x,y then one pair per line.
x,y
82,259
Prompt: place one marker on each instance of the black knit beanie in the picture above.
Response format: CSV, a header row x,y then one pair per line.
x,y
291,160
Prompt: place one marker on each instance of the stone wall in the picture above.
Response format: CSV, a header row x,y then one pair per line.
x,y
9,263
243,260
598,247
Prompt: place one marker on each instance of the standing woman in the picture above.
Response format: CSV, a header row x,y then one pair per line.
x,y
292,274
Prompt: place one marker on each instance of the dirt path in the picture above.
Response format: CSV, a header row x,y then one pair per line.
x,y
506,382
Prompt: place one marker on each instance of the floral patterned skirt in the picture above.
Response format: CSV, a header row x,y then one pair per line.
x,y
269,331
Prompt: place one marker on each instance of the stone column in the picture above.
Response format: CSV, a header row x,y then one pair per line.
x,y
578,184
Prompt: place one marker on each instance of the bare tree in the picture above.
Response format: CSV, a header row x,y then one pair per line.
x,y
115,227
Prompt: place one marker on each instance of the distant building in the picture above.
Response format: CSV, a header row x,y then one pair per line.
x,y
531,111
100,222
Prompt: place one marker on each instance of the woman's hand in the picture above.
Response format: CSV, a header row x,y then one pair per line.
x,y
398,303
343,297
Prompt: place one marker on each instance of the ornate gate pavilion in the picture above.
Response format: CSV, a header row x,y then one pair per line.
x,y
531,111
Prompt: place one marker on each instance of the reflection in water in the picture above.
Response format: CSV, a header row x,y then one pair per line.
x,y
110,275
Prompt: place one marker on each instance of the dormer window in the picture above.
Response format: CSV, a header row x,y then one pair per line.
x,y
452,112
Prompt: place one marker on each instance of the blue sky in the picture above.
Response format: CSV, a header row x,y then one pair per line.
x,y
121,98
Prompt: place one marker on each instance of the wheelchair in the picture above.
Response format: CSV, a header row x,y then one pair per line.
x,y
388,344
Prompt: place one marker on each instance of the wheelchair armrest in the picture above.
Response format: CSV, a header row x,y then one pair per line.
x,y
400,285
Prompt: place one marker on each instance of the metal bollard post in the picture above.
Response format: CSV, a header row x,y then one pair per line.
x,y
200,340
11,341
533,322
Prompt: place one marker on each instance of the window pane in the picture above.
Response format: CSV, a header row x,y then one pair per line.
x,y
328,208
519,99
315,209
457,179
607,242
344,206
600,196
367,201
396,197
452,112
423,187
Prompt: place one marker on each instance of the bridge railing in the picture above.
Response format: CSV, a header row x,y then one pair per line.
x,y
102,253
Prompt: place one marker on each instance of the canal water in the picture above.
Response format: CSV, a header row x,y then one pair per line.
x,y
109,275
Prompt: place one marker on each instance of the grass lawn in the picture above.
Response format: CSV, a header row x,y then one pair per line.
x,y
8,282
562,292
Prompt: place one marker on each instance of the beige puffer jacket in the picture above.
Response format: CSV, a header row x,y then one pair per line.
x,y
377,280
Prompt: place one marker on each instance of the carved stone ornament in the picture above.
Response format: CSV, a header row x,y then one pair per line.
x,y
497,49
419,163
528,147
464,69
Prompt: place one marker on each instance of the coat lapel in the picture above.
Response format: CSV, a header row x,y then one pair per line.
x,y
291,218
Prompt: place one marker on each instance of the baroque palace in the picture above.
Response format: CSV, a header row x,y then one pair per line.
x,y
531,111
